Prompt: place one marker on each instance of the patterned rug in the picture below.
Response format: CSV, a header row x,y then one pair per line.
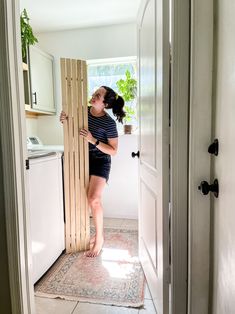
x,y
115,277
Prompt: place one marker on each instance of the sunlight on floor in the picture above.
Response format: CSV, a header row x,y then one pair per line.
x,y
111,261
117,255
119,270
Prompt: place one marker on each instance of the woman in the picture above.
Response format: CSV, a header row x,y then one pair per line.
x,y
103,143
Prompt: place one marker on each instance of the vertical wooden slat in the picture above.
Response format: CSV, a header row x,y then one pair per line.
x,y
82,168
72,156
86,159
66,155
77,84
71,170
80,125
74,94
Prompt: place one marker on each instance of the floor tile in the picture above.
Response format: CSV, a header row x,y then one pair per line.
x,y
131,224
54,306
148,307
89,308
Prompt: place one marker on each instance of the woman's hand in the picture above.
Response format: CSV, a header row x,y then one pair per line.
x,y
87,136
63,116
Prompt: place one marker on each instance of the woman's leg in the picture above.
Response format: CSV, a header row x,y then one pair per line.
x,y
96,187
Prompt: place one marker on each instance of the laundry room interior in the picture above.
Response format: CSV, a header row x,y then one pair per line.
x,y
107,41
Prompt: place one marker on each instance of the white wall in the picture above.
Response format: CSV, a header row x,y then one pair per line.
x,y
32,126
91,43
120,196
121,193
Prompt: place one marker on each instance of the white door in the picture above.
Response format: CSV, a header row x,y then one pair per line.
x,y
154,149
224,165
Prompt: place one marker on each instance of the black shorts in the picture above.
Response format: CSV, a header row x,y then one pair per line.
x,y
99,165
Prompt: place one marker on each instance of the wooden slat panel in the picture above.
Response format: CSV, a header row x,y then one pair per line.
x,y
74,93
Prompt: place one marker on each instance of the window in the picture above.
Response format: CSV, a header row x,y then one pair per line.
x,y
107,72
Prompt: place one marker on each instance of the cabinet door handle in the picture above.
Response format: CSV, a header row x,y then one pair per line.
x,y
35,98
26,164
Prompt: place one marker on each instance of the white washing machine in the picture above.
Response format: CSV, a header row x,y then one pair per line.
x,y
46,202
34,143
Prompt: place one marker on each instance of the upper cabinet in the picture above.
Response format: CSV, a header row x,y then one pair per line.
x,y
41,76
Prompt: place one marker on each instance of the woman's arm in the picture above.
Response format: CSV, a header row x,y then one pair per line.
x,y
110,148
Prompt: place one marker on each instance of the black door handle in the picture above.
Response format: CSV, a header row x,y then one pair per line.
x,y
214,147
26,164
205,188
35,98
135,154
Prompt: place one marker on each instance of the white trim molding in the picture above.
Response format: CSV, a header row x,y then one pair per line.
x,y
180,60
199,159
112,60
12,158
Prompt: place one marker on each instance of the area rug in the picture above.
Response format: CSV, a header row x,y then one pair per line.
x,y
115,277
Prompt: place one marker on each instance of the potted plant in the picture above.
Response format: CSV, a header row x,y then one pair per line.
x,y
27,36
127,89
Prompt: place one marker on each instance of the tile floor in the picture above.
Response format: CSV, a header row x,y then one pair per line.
x,y
57,306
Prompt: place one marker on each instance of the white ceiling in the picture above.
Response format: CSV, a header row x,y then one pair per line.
x,y
54,15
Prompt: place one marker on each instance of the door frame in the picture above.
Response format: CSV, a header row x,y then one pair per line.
x,y
201,71
12,159
179,134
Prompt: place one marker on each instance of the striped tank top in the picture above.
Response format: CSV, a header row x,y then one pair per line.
x,y
102,128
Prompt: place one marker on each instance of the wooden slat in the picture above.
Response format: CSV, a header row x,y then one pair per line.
x,y
82,156
77,88
86,164
71,156
80,124
66,156
70,146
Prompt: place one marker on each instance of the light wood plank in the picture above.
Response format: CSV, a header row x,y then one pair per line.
x,y
66,157
82,168
71,155
86,154
76,90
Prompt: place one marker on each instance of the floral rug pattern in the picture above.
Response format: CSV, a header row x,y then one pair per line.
x,y
114,277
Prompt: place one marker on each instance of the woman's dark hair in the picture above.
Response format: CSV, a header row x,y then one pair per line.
x,y
115,102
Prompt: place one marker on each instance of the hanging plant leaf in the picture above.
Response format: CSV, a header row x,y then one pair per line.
x,y
27,36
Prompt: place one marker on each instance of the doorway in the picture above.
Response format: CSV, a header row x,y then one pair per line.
x,y
175,178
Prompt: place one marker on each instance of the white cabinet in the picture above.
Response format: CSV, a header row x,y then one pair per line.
x,y
42,80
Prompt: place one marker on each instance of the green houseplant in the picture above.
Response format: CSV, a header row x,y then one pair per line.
x,y
27,36
128,88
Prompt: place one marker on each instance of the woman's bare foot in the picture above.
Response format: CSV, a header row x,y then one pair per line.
x,y
96,248
92,240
